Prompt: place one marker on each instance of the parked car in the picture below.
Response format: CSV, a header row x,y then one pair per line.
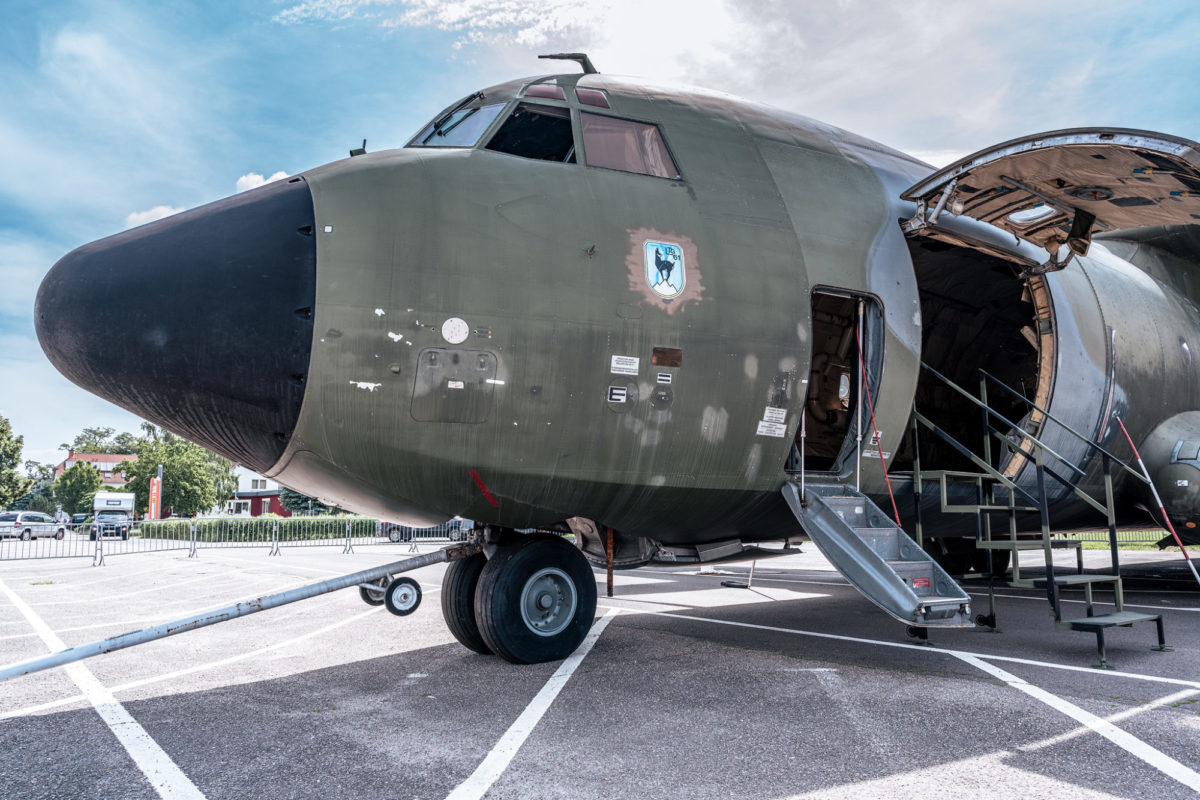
x,y
110,523
80,519
30,525
456,530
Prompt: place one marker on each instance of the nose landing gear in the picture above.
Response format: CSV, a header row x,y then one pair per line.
x,y
534,600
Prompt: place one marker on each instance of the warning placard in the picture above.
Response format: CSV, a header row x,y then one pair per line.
x,y
625,365
776,429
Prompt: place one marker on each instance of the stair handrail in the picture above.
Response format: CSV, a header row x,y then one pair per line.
x,y
993,412
1034,406
1041,446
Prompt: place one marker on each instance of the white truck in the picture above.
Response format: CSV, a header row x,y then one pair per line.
x,y
114,513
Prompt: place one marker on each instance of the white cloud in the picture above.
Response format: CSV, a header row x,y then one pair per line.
x,y
150,215
922,76
252,180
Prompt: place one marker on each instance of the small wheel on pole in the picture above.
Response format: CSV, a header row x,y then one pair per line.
x,y
374,597
402,596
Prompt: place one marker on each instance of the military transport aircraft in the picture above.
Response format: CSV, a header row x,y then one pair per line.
x,y
675,323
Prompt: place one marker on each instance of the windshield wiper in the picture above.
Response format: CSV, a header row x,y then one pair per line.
x,y
440,121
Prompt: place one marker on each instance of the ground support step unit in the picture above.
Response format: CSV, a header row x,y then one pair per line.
x,y
1119,619
877,557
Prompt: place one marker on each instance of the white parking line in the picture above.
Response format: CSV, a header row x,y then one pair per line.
x,y
919,647
486,774
1127,742
63,701
163,774
1084,602
165,587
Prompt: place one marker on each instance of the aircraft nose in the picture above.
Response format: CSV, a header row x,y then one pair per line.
x,y
200,322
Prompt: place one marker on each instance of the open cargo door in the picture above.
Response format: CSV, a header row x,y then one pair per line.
x,y
1060,187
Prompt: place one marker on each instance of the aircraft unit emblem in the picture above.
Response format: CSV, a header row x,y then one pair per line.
x,y
664,269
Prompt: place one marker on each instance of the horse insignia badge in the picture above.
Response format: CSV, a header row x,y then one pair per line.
x,y
664,269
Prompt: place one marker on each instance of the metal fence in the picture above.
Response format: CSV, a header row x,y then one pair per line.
x,y
193,535
1124,536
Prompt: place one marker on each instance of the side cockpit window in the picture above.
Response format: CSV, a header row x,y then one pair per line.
x,y
626,145
459,128
536,131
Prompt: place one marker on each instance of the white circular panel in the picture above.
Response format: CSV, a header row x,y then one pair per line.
x,y
455,330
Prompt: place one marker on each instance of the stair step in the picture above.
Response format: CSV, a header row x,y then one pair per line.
x,y
921,577
1029,544
957,509
877,557
1076,580
1101,621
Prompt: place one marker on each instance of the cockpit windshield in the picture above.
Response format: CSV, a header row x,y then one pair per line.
x,y
462,127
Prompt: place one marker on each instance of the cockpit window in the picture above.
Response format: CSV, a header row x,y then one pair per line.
x,y
460,128
626,145
536,131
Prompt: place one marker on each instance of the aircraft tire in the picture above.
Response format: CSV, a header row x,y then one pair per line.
x,y
458,602
536,600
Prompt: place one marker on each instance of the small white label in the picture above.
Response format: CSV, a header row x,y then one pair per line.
x,y
776,429
664,377
454,384
328,229
874,439
875,454
1182,482
625,365
775,414
617,394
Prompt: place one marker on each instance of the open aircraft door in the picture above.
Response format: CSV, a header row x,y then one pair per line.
x,y
1061,187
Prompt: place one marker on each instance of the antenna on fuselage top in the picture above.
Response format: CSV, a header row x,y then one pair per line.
x,y
580,58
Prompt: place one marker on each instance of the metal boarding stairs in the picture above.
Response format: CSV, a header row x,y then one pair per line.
x,y
878,557
997,492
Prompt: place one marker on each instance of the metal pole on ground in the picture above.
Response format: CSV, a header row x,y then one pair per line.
x,y
206,618
1159,501
609,551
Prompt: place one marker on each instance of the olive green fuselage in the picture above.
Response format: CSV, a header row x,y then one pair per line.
x,y
543,261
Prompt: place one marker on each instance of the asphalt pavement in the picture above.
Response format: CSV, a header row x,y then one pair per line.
x,y
795,687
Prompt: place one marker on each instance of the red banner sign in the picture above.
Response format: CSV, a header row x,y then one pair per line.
x,y
155,498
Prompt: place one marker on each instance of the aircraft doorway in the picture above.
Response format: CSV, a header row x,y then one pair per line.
x,y
827,437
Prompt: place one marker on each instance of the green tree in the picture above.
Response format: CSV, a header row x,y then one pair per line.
x,y
76,488
43,502
299,503
194,479
12,485
103,440
39,473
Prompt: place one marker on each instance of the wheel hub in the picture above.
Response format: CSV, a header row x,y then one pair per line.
x,y
548,601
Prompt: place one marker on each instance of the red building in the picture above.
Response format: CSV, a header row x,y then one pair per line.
x,y
105,462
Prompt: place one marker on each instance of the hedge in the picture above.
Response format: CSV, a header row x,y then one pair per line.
x,y
258,529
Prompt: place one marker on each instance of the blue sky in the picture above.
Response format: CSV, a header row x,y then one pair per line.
x,y
117,112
